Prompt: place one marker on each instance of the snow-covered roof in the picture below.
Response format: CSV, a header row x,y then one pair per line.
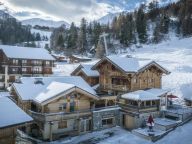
x,y
50,87
4,94
86,69
157,91
26,53
140,95
11,114
130,64
81,57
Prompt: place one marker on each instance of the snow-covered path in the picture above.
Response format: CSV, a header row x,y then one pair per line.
x,y
117,135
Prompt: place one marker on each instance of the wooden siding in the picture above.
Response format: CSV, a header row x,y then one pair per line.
x,y
149,78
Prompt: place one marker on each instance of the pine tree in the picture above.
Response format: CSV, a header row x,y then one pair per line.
x,y
141,25
83,36
72,37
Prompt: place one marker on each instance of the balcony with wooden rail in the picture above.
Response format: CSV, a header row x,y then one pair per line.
x,y
134,109
47,117
115,87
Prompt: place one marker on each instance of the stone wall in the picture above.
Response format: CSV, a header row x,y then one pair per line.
x,y
98,116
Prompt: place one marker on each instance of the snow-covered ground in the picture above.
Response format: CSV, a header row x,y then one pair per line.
x,y
42,33
176,56
117,135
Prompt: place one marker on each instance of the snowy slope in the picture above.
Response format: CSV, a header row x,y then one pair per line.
x,y
42,22
108,18
42,33
176,56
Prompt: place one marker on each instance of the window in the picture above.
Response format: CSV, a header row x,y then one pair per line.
x,y
148,103
47,62
37,62
119,81
113,68
72,106
153,103
24,61
108,121
24,69
63,106
135,80
62,124
14,69
15,61
37,69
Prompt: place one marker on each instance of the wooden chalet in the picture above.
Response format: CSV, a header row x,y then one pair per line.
x,y
21,61
12,118
138,105
89,75
63,106
129,78
119,75
78,59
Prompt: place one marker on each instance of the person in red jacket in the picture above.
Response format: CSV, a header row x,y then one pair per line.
x,y
150,123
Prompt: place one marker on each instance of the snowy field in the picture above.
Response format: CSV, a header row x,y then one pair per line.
x,y
117,135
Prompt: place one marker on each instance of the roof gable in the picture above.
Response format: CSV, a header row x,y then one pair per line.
x,y
51,87
86,69
129,64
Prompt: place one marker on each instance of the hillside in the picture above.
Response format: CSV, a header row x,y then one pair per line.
x,y
42,22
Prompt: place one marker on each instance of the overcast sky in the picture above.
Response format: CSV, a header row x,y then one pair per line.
x,y
68,10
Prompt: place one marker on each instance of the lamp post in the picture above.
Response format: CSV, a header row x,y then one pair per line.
x,y
50,136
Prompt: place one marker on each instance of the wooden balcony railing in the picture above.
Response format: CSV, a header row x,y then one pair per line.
x,y
137,109
116,87
45,117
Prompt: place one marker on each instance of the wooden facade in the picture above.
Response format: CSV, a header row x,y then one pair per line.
x,y
8,135
17,67
114,80
89,75
91,80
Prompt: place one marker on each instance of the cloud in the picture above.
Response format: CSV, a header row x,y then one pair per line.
x,y
69,10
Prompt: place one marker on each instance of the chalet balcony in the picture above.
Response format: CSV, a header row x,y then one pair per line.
x,y
14,72
116,87
37,72
48,65
36,64
113,73
135,109
45,117
57,116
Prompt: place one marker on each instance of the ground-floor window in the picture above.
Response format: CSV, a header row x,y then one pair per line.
x,y
62,124
108,121
85,125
